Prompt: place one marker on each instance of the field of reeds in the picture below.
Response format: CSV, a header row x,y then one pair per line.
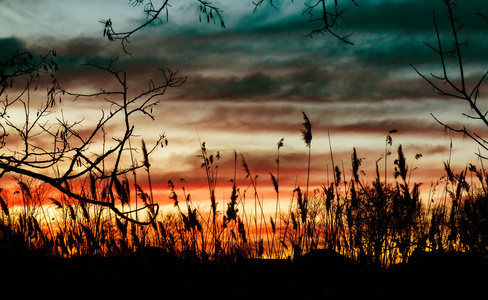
x,y
380,224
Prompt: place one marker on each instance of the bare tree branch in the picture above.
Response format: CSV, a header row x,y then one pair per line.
x,y
23,63
456,88
153,13
326,13
323,12
479,13
330,17
71,154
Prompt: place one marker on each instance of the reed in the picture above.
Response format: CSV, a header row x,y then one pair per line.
x,y
381,222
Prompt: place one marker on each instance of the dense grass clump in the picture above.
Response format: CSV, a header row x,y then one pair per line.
x,y
382,222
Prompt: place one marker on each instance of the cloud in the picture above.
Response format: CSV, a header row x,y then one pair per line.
x,y
263,57
410,16
9,46
248,84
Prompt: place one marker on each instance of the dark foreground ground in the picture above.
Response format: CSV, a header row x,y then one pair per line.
x,y
321,274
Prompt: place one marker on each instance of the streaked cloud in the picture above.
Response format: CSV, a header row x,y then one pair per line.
x,y
248,84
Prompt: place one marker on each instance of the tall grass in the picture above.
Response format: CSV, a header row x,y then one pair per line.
x,y
381,222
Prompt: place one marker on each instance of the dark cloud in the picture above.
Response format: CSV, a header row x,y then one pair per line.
x,y
266,58
232,87
412,16
9,46
352,81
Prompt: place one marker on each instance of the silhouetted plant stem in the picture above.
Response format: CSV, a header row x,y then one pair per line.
x,y
134,176
389,142
307,138
276,184
257,215
211,172
333,165
147,165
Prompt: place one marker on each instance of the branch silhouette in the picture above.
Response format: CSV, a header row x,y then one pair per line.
x,y
447,85
325,13
330,18
72,155
153,14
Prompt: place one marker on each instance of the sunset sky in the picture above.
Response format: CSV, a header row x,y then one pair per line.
x,y
249,83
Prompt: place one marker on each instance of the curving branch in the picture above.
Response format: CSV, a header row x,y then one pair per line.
x,y
447,85
479,13
23,63
325,13
72,155
331,19
153,14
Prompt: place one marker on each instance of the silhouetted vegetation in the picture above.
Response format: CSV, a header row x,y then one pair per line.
x,y
71,202
363,227
72,157
374,223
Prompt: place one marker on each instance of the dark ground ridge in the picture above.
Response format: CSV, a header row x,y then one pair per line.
x,y
320,274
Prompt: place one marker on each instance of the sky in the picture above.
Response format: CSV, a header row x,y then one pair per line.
x,y
248,85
